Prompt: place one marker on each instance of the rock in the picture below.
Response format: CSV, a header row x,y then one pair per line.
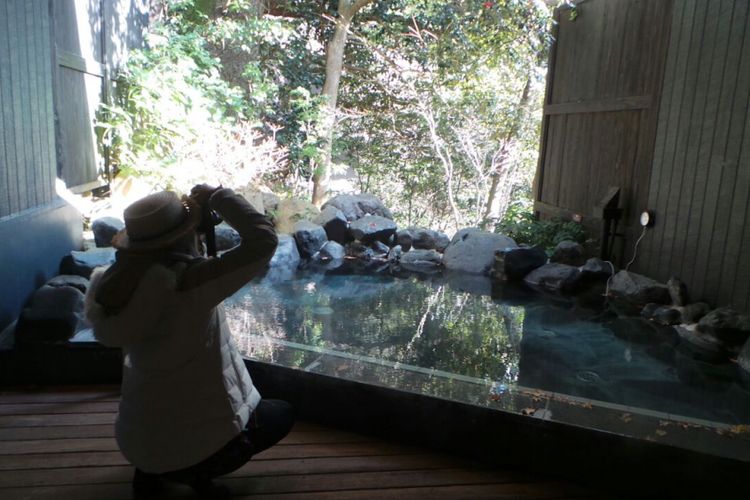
x,y
596,268
226,237
404,239
638,289
334,222
395,254
104,230
77,282
380,248
568,252
423,238
332,250
743,360
667,315
473,251
554,277
691,313
708,346
51,315
309,237
727,325
356,206
286,259
421,260
649,310
292,210
359,251
677,292
254,196
270,203
372,227
515,263
84,263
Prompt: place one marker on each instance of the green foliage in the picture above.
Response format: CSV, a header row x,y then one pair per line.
x,y
520,224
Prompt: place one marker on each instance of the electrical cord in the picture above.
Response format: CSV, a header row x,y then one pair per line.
x,y
635,250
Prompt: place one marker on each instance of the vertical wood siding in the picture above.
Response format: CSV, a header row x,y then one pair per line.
x,y
27,143
700,182
601,106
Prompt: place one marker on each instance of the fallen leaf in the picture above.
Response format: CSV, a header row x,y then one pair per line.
x,y
626,417
660,432
528,411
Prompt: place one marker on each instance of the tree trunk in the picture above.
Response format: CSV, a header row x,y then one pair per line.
x,y
334,65
493,207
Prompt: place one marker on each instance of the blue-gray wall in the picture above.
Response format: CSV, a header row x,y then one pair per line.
x,y
36,227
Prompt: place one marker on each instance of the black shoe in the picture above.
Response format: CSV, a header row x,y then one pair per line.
x,y
147,486
209,490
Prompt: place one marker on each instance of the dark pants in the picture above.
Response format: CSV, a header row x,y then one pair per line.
x,y
268,424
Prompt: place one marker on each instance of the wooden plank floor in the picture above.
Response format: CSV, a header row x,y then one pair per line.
x,y
58,443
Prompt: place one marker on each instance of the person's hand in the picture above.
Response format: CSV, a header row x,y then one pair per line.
x,y
201,193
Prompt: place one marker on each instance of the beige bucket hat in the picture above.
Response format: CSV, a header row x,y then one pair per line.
x,y
157,221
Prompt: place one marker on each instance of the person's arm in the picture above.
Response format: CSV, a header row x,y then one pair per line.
x,y
212,280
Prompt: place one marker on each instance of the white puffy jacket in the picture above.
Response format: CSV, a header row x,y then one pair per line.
x,y
185,389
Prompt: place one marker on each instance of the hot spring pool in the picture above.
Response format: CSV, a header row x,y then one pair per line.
x,y
510,349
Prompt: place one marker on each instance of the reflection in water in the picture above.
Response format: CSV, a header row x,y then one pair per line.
x,y
433,337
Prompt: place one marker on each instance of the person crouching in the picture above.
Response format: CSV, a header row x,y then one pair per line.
x,y
189,411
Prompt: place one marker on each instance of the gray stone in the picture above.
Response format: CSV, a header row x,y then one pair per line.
x,y
372,227
395,254
334,222
638,289
568,252
309,237
104,230
51,315
286,259
743,360
691,313
356,206
84,263
596,268
708,345
423,238
421,260
650,309
270,203
473,251
359,251
226,237
332,250
77,282
668,315
404,239
727,325
515,263
380,248
677,292
554,277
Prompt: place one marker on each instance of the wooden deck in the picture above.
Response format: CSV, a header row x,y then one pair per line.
x,y
58,443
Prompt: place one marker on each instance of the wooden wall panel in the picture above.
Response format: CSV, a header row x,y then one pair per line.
x,y
27,159
700,184
602,105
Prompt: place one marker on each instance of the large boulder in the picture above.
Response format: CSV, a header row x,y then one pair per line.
x,y
422,260
309,237
372,227
473,251
290,211
334,222
677,292
84,263
705,345
596,268
332,250
515,263
51,315
286,259
568,252
380,248
727,325
356,206
638,289
554,277
104,229
226,237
